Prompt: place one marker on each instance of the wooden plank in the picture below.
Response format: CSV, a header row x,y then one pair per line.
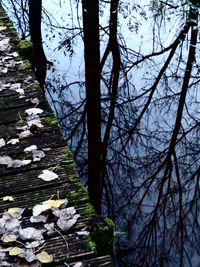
x,y
13,101
53,157
64,247
43,138
16,114
104,261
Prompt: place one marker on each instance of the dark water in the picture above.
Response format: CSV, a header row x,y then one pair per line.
x,y
150,118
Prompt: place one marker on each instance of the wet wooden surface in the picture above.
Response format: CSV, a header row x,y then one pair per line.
x,y
23,183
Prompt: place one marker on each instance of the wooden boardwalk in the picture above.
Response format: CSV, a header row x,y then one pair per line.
x,y
26,117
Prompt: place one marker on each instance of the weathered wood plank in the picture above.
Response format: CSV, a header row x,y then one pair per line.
x,y
17,114
42,139
13,101
53,157
105,261
66,247
10,131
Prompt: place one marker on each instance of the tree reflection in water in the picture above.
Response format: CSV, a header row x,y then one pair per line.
x,y
149,152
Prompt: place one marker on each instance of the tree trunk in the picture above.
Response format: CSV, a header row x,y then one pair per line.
x,y
93,102
39,61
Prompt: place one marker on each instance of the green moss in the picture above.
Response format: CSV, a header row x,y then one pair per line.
x,y
89,210
91,244
26,65
50,120
103,236
73,178
10,25
33,166
110,224
25,49
66,153
79,194
67,260
35,88
83,190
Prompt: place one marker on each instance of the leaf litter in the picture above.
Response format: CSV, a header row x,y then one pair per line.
x,y
10,163
37,154
17,241
26,242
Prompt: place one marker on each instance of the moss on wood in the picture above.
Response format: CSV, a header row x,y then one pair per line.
x,y
25,49
66,153
103,236
50,120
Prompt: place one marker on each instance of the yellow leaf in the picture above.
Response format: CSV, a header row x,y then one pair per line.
x,y
8,198
15,212
54,203
47,205
44,257
9,238
15,251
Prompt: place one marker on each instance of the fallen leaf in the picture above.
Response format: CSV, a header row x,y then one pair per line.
x,y
55,203
28,255
28,79
20,91
4,86
15,212
46,205
23,128
38,219
12,225
38,155
9,238
24,134
8,198
36,121
2,142
34,111
3,70
30,149
19,163
78,264
50,228
65,225
65,213
4,44
13,141
15,86
48,175
14,54
6,160
2,28
38,209
2,256
83,232
2,224
31,233
15,251
44,257
46,149
35,101
34,244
